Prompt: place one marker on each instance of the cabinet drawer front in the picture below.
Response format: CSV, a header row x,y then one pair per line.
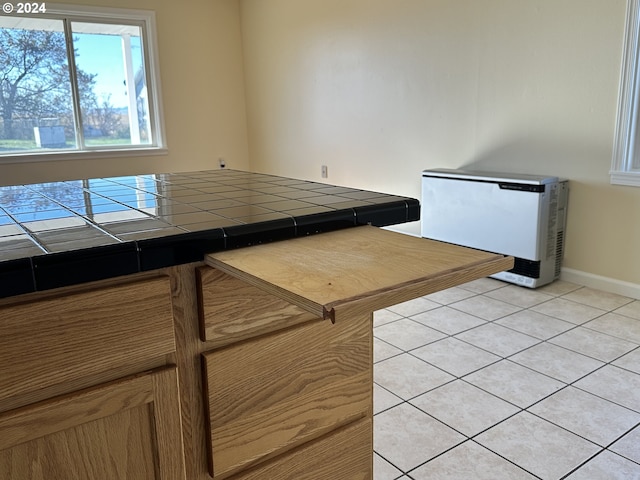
x,y
232,310
66,340
270,394
323,458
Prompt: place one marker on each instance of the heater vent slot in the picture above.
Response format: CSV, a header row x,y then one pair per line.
x,y
559,252
527,268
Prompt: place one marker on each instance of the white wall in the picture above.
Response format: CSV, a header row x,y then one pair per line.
x,y
379,90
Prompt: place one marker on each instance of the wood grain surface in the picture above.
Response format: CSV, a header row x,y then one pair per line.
x,y
344,454
232,310
273,393
338,270
95,336
127,429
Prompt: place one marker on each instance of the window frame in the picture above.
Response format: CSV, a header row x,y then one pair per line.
x,y
147,21
627,130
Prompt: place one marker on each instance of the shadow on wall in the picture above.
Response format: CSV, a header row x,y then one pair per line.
x,y
589,163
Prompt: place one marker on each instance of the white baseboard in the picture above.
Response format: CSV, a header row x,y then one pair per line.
x,y
599,282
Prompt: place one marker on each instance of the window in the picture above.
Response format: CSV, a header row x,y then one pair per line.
x,y
78,81
625,168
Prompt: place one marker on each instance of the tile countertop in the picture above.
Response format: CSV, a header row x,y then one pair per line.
x,y
71,232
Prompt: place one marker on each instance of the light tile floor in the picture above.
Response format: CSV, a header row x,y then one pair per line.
x,y
493,381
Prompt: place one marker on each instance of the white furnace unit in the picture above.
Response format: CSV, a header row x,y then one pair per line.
x,y
519,215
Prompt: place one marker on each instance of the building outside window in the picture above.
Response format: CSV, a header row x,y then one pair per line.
x,y
78,80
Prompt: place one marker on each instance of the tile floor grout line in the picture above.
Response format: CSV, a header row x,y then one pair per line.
x,y
510,461
571,472
539,341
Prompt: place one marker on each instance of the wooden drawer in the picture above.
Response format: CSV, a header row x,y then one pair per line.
x,y
58,345
231,310
272,393
128,429
323,458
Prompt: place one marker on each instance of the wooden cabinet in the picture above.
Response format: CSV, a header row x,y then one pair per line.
x,y
284,389
255,364
271,393
288,355
84,390
127,429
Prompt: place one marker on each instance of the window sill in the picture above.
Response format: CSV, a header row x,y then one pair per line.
x,y
82,155
631,179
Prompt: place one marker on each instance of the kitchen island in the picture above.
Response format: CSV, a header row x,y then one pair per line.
x,y
155,347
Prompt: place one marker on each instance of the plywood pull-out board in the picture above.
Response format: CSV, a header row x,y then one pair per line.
x,y
356,270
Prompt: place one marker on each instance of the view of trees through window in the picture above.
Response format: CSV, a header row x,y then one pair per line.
x,y
91,94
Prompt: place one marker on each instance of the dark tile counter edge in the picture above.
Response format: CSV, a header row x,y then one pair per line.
x,y
16,277
54,270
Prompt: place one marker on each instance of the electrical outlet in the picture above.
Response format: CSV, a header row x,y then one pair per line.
x,y
222,162
325,171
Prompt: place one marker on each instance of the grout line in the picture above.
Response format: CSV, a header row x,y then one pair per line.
x,y
508,357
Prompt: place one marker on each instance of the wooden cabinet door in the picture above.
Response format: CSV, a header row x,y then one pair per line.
x,y
127,429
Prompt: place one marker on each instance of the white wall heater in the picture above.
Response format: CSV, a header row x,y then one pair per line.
x,y
519,215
